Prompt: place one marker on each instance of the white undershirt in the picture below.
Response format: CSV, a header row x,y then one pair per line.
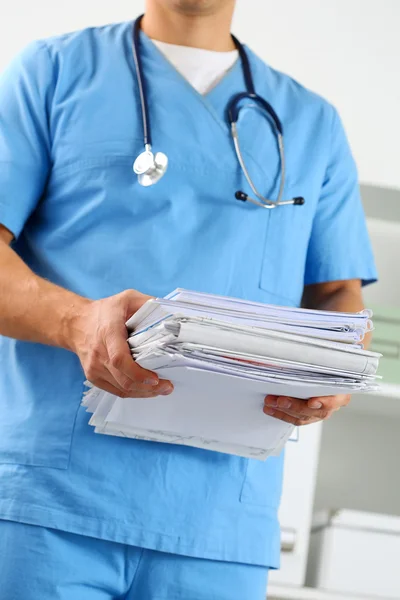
x,y
203,69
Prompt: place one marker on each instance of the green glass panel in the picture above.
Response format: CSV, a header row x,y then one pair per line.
x,y
386,339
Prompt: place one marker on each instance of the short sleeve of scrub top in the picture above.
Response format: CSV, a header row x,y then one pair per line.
x,y
339,246
24,137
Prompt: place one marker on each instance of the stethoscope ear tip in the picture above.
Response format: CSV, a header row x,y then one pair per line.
x,y
299,201
241,196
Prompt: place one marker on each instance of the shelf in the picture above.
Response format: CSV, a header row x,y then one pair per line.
x,y
280,592
385,403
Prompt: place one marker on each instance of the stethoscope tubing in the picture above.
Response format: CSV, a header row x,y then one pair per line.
x,y
156,170
141,83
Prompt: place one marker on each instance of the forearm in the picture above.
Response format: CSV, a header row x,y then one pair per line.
x,y
32,308
342,301
345,298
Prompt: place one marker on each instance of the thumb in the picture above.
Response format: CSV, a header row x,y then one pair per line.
x,y
133,300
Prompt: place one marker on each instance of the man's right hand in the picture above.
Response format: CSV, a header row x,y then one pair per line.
x,y
97,334
33,309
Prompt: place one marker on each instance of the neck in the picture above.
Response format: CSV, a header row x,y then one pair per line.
x,y
210,31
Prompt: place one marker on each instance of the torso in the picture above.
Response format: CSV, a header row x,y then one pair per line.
x,y
98,232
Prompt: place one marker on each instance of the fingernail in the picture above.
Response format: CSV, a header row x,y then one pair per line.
x,y
151,381
315,404
165,391
269,411
272,403
285,403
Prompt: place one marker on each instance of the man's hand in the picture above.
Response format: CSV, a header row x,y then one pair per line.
x,y
304,412
35,310
98,335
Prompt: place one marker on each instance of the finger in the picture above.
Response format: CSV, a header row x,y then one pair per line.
x,y
122,386
153,393
116,391
164,386
105,377
270,399
303,416
135,389
122,366
300,407
144,394
331,403
133,300
108,387
277,414
293,406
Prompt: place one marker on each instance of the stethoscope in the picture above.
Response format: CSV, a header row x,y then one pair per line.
x,y
150,167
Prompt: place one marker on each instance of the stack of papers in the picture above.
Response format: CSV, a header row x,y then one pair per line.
x,y
224,356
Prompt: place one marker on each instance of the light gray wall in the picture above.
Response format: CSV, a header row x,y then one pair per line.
x,y
359,464
381,203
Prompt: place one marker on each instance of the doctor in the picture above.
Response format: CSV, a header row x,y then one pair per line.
x,y
87,517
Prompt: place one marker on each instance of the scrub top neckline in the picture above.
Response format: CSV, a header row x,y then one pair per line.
x,y
223,88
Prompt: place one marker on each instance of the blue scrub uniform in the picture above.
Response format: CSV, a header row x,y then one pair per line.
x,y
70,129
48,564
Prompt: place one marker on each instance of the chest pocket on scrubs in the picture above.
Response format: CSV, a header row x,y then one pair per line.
x,y
285,251
285,245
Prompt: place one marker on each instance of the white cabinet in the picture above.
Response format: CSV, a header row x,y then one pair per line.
x,y
352,462
368,543
296,507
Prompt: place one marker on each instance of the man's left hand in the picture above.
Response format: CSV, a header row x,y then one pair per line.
x,y
304,412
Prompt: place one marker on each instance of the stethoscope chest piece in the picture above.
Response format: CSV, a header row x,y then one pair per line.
x,y
149,167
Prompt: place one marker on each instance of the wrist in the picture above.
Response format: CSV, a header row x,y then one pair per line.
x,y
72,322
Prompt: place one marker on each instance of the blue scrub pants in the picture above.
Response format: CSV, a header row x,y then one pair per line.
x,y
47,564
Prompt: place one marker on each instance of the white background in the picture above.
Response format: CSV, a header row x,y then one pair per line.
x,y
347,50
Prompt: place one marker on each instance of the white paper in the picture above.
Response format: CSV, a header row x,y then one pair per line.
x,y
205,408
223,357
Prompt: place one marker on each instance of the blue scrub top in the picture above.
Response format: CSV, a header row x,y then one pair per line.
x,y
70,129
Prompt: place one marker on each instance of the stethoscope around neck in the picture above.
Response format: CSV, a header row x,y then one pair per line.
x,y
150,167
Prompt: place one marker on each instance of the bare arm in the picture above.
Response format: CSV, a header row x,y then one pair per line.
x,y
343,296
35,310
31,308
